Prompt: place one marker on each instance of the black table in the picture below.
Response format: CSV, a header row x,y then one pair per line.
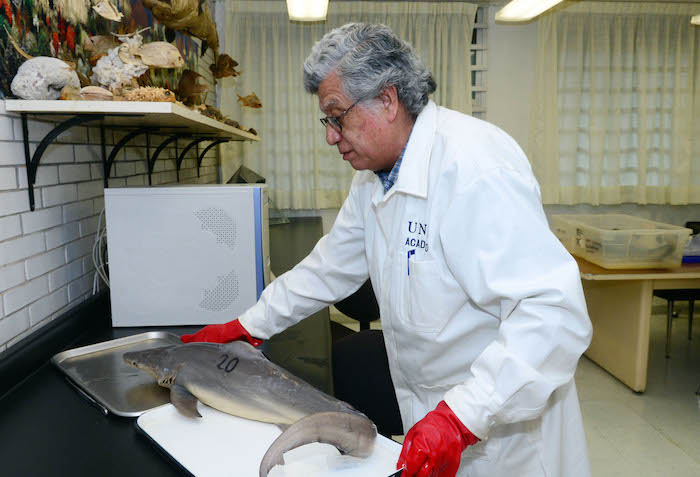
x,y
48,429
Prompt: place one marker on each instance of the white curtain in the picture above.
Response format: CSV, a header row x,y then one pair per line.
x,y
303,171
615,116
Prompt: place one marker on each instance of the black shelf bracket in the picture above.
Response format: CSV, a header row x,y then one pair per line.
x,y
159,149
32,161
107,164
201,156
187,148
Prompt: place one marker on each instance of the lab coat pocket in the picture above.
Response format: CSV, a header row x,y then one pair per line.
x,y
432,296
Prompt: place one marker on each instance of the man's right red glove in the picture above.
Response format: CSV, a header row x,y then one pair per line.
x,y
223,333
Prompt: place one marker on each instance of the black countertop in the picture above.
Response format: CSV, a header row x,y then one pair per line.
x,y
48,428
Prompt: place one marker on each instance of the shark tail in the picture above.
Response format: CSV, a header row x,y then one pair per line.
x,y
351,433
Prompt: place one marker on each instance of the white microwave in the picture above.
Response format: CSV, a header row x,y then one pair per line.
x,y
186,255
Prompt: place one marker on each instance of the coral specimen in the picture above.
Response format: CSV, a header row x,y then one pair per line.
x,y
43,78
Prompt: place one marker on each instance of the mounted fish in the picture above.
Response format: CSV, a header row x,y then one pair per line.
x,y
157,54
130,43
192,17
251,101
160,54
188,90
132,58
238,379
106,9
224,67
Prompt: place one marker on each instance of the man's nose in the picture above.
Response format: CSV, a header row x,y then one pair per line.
x,y
332,136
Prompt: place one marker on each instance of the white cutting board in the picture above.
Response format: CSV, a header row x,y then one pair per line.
x,y
219,445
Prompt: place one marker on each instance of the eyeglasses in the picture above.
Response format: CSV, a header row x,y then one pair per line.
x,y
334,121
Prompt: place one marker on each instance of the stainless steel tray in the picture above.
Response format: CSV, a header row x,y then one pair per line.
x,y
101,375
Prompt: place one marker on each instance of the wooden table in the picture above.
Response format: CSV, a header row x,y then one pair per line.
x,y
619,304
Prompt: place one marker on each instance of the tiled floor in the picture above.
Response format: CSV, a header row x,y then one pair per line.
x,y
656,433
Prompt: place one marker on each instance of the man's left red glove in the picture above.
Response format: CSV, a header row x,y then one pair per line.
x,y
434,446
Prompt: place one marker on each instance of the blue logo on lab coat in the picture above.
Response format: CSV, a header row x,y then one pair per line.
x,y
417,240
417,235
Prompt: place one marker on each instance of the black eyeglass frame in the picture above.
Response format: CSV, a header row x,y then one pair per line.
x,y
335,120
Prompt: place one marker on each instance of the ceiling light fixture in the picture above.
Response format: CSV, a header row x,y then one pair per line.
x,y
695,20
523,10
307,10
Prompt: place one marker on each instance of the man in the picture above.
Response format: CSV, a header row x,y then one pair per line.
x,y
482,309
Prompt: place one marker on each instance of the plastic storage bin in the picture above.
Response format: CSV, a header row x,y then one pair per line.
x,y
621,241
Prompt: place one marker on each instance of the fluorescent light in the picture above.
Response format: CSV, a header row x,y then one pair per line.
x,y
523,10
307,10
695,20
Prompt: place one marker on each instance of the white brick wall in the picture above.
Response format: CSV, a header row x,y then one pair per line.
x,y
13,202
61,235
11,276
43,307
11,153
40,264
41,219
47,175
61,194
13,325
25,294
21,248
46,255
65,275
8,178
9,227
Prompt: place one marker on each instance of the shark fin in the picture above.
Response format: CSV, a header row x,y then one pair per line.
x,y
184,401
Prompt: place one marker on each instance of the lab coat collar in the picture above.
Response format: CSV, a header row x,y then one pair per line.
x,y
413,175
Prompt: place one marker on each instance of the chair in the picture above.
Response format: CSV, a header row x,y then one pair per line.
x,y
361,378
689,295
360,365
361,306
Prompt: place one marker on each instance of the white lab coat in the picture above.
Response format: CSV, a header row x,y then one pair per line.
x,y
480,304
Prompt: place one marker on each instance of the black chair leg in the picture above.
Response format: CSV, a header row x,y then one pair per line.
x,y
691,305
668,328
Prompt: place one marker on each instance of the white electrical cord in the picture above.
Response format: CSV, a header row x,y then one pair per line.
x,y
97,254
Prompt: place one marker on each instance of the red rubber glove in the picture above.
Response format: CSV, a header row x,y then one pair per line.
x,y
223,333
434,446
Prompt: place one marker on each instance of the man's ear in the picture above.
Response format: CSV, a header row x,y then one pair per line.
x,y
390,102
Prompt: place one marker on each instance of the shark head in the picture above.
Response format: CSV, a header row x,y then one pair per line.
x,y
155,361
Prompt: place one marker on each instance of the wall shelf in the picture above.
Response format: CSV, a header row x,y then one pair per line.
x,y
164,119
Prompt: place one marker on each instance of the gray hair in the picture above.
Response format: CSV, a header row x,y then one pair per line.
x,y
368,58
